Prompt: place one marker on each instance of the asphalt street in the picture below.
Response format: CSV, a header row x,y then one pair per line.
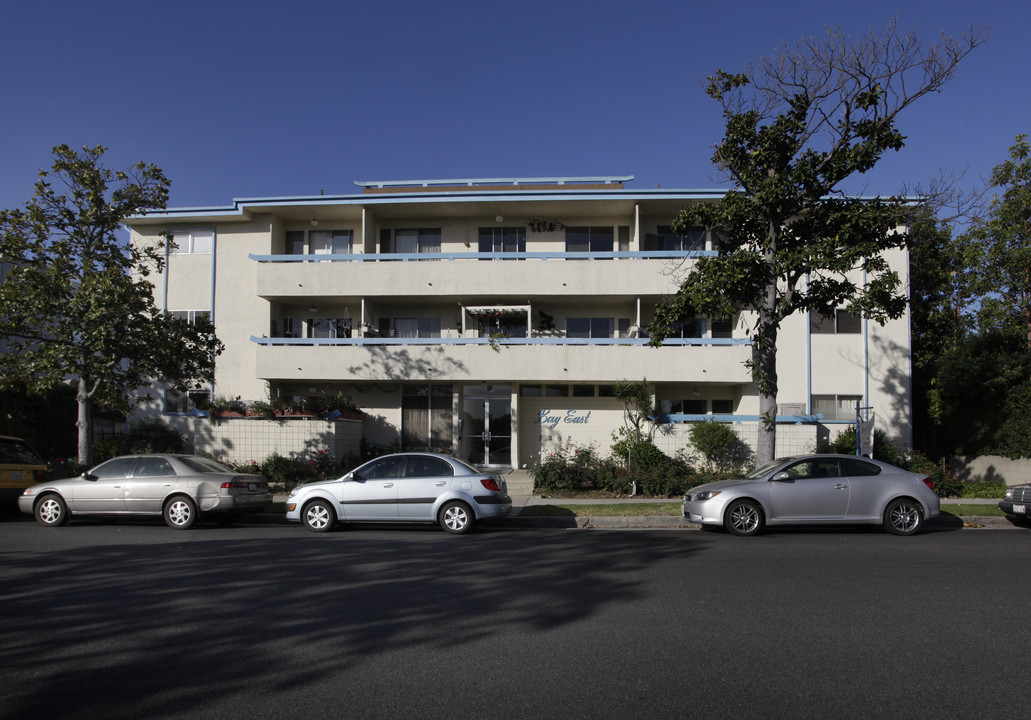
x,y
134,619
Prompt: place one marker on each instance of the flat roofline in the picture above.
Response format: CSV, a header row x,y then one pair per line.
x,y
471,182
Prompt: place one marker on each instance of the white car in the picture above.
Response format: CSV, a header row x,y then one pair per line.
x,y
403,488
816,489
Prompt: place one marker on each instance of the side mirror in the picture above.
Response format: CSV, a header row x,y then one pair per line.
x,y
780,477
86,475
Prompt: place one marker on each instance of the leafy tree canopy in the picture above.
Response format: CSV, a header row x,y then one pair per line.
x,y
798,123
77,304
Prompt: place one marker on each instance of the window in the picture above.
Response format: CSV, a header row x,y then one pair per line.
x,y
330,242
188,242
410,241
589,239
590,327
694,239
722,407
295,242
117,468
693,328
723,328
192,316
177,401
624,238
556,390
583,391
426,416
426,466
813,469
508,239
388,467
154,467
291,328
693,406
841,322
530,390
329,327
417,327
859,468
836,407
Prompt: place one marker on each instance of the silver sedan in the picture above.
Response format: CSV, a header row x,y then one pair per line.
x,y
403,488
816,489
178,487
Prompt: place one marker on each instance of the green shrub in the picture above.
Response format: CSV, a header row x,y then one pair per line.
x,y
945,485
721,447
287,472
983,489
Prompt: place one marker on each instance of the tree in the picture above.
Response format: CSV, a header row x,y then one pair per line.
x,y
799,123
999,245
77,306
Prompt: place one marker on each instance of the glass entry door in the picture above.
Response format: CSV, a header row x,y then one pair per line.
x,y
487,430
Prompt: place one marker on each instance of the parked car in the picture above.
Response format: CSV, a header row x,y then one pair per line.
x,y
181,488
403,488
1017,501
816,489
20,467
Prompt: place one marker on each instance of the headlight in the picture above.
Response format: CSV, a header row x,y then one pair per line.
x,y
707,495
293,492
1008,496
28,491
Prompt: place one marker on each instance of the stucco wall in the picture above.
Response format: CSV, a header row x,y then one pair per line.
x,y
991,467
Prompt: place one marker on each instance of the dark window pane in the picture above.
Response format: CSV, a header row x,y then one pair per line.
x,y
849,322
857,468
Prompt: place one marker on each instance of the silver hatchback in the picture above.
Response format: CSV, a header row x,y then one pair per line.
x,y
817,489
178,487
403,488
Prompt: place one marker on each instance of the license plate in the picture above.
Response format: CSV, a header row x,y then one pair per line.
x,y
252,487
17,475
1020,509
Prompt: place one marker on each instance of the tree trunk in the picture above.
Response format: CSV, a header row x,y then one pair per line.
x,y
85,422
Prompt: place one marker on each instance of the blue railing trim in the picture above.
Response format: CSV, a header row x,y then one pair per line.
x,y
310,342
422,257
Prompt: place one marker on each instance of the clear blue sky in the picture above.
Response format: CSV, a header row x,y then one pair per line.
x,y
235,99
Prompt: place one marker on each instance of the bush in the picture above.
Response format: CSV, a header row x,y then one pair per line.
x,y
287,472
579,469
721,447
945,485
146,436
983,489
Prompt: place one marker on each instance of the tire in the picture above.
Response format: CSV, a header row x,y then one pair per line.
x,y
743,518
51,511
456,518
903,517
181,512
318,516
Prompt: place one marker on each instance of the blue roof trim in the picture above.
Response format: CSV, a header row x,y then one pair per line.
x,y
607,180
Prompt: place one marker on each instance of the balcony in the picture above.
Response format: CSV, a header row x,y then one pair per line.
x,y
285,277
509,359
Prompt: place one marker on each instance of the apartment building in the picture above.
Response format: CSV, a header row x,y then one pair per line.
x,y
491,318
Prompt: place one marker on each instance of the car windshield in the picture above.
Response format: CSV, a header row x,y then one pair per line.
x,y
203,465
764,469
17,452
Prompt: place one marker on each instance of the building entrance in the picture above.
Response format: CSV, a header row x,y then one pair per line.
x,y
487,430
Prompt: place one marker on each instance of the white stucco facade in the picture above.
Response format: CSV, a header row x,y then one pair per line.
x,y
491,319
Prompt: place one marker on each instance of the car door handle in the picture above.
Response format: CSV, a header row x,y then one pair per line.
x,y
388,484
840,486
442,483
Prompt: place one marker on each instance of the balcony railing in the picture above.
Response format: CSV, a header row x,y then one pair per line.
x,y
423,257
376,340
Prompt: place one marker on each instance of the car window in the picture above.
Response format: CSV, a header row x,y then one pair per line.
x,y
119,467
154,467
422,466
203,465
388,467
819,468
17,452
855,468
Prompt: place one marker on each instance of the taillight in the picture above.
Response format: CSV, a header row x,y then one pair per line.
x,y
928,481
491,484
39,475
242,485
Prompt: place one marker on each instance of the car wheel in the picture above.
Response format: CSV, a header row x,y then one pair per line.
x,y
903,517
318,516
743,518
51,511
181,512
456,518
